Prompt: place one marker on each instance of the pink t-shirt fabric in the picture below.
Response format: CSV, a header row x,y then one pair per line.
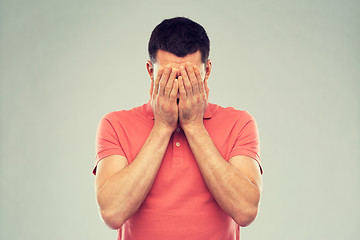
x,y
179,204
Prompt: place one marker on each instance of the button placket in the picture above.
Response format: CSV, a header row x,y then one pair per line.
x,y
177,141
177,160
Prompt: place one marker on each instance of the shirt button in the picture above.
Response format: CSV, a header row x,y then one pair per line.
x,y
178,129
177,144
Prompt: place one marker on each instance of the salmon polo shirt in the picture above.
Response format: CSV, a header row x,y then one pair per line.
x,y
179,205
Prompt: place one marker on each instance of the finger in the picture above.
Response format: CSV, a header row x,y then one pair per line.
x,y
186,81
157,80
192,77
170,82
164,79
182,91
199,79
174,91
206,86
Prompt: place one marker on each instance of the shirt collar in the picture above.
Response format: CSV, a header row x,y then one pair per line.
x,y
210,109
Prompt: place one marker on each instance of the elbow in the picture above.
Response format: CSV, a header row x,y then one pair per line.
x,y
246,213
111,215
245,218
112,220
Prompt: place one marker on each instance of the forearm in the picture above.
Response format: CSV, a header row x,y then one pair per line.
x,y
233,190
124,192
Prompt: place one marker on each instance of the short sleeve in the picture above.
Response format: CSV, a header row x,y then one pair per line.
x,y
247,142
107,141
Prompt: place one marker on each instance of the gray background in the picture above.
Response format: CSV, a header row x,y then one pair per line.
x,y
295,65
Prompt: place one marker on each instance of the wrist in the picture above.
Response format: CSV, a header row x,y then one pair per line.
x,y
193,128
163,129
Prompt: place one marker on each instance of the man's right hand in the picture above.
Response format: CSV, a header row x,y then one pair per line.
x,y
164,98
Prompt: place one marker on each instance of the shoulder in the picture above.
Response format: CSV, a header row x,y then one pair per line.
x,y
230,113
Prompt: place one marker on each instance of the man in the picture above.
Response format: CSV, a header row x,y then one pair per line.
x,y
178,167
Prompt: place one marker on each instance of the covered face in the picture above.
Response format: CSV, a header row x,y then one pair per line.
x,y
164,58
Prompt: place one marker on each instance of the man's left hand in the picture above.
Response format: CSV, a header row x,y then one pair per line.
x,y
193,99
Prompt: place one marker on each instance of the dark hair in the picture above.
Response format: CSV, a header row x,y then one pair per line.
x,y
180,36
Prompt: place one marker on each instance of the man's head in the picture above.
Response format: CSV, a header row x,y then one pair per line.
x,y
177,41
179,36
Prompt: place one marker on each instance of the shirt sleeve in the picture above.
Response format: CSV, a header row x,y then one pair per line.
x,y
247,142
107,141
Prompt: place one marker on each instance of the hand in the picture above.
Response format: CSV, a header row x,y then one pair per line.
x,y
193,100
164,98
